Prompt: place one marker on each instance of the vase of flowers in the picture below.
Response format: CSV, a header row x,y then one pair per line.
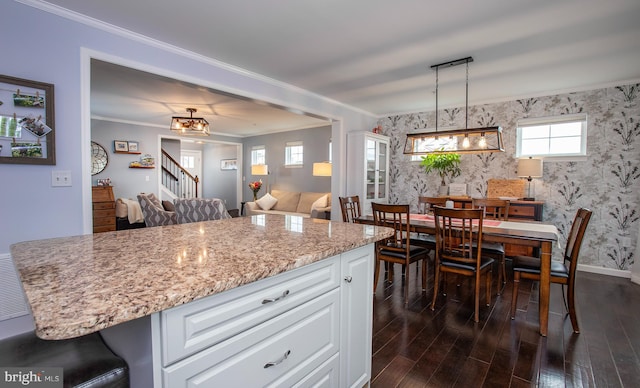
x,y
255,187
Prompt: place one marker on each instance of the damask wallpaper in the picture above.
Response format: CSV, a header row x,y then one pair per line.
x,y
607,182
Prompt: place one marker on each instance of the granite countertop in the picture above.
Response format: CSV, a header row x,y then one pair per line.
x,y
81,284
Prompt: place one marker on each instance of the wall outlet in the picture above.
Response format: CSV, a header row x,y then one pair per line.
x,y
60,178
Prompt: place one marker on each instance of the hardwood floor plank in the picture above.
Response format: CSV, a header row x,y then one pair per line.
x,y
416,347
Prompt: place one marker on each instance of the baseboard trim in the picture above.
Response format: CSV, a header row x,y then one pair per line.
x,y
605,271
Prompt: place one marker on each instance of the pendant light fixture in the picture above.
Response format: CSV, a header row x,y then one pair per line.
x,y
190,126
467,140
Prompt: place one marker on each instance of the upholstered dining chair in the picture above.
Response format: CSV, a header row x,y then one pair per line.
x,y
200,209
350,207
397,248
496,209
153,211
457,232
525,267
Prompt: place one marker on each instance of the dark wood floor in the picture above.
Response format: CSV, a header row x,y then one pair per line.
x,y
417,347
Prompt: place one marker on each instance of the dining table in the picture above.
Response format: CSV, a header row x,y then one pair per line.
x,y
538,235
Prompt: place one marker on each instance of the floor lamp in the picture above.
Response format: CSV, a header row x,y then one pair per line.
x,y
529,168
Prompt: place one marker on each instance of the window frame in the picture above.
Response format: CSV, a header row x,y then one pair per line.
x,y
550,121
288,153
257,159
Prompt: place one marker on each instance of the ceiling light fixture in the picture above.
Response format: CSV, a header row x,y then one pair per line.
x,y
468,140
190,126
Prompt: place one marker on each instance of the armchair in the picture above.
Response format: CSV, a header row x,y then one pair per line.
x,y
153,211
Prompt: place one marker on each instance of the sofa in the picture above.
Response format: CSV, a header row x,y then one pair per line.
x,y
304,204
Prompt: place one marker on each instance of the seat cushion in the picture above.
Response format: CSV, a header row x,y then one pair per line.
x,y
532,265
86,361
469,267
413,252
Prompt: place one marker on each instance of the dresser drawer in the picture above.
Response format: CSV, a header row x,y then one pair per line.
x,y
308,335
104,206
104,221
522,212
200,324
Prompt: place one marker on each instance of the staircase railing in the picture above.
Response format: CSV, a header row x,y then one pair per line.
x,y
178,180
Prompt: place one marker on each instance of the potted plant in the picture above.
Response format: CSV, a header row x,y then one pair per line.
x,y
446,165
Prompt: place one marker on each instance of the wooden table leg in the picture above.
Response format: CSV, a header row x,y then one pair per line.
x,y
545,284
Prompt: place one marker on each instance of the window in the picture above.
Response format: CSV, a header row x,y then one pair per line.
x,y
560,136
293,153
188,161
258,155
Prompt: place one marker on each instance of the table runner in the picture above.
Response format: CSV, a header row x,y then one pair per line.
x,y
429,218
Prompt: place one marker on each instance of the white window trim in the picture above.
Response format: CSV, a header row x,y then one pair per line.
x,y
528,122
286,150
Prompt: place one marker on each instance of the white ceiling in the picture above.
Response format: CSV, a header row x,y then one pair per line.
x,y
376,55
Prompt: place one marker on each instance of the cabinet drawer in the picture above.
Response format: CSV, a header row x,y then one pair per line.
x,y
307,334
522,212
103,221
102,194
200,324
107,213
104,205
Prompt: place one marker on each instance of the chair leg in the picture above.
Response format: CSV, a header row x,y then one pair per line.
x,y
514,297
424,274
488,280
376,273
572,308
406,287
436,287
476,297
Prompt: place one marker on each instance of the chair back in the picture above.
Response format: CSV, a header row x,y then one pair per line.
x,y
574,240
458,231
153,211
426,204
200,209
392,216
350,207
493,208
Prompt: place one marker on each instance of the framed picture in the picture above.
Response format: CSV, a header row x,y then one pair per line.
x,y
229,164
27,134
120,146
133,146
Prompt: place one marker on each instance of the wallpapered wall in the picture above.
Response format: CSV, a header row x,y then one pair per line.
x,y
607,182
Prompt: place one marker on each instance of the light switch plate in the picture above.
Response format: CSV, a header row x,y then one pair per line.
x,y
60,178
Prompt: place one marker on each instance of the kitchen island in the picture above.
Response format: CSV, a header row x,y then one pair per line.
x,y
113,282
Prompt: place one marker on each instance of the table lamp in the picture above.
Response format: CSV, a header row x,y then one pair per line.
x,y
529,168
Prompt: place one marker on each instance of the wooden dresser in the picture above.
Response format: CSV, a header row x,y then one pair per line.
x,y
104,209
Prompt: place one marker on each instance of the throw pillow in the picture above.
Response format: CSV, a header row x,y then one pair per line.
x,y
319,203
266,202
168,206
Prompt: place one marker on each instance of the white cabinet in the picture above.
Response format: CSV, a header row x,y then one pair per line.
x,y
368,168
308,326
356,310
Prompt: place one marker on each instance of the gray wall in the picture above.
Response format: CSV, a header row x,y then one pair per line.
x,y
220,183
127,182
316,149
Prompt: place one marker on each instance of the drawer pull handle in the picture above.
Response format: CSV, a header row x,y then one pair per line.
x,y
274,363
348,279
271,300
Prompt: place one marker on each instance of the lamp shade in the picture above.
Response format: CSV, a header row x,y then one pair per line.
x,y
322,169
530,168
259,169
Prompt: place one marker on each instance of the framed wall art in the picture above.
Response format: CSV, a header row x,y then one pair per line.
x,y
27,134
229,164
120,146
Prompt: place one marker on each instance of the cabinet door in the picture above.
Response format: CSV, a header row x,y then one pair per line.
x,y
356,313
382,188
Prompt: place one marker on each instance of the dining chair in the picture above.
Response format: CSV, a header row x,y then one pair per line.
x,y
457,232
350,207
526,267
496,209
425,206
397,248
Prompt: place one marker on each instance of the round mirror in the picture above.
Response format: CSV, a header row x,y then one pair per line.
x,y
99,158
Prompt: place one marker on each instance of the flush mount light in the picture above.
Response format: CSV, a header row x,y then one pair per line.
x,y
459,141
190,126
